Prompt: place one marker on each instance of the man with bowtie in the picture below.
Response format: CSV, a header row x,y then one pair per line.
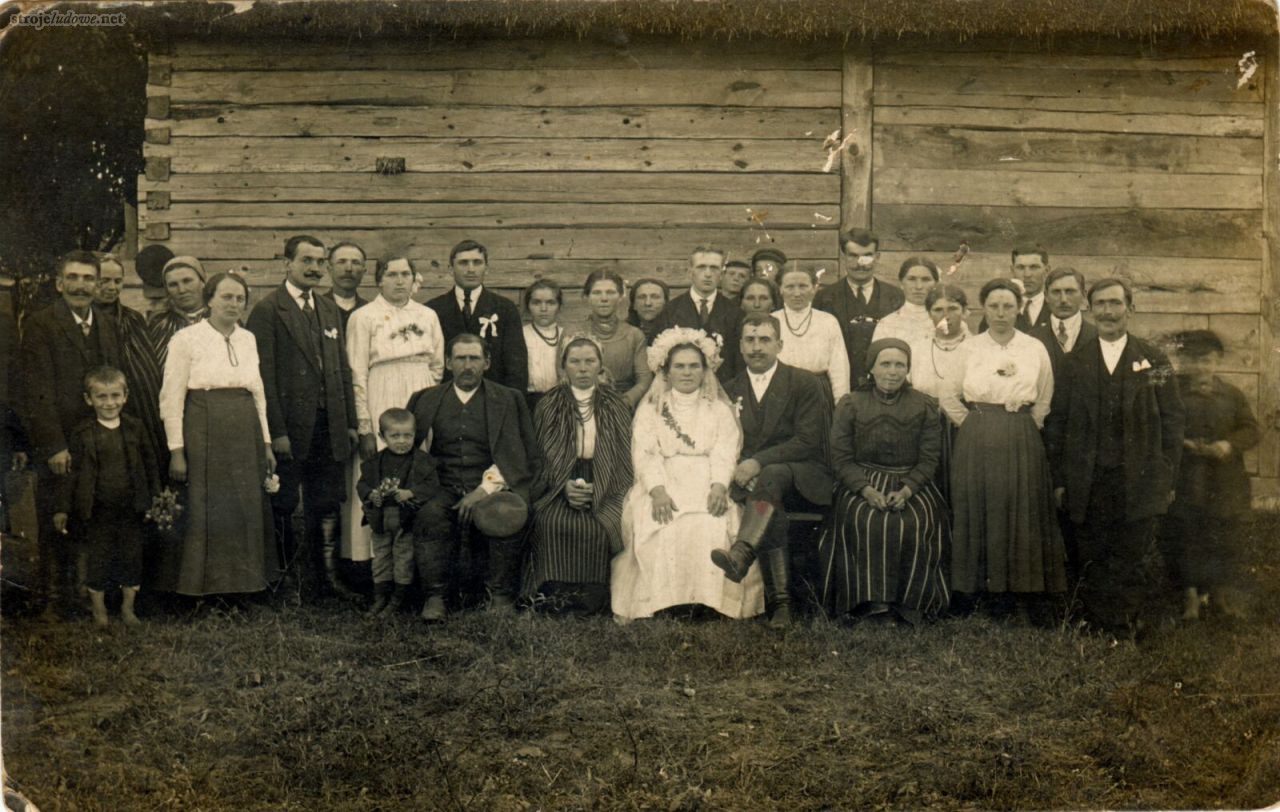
x,y
862,301
472,308
703,307
310,410
59,345
785,417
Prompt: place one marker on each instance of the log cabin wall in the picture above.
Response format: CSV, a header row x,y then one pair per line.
x,y
568,156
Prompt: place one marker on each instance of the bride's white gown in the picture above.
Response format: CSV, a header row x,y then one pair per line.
x,y
670,565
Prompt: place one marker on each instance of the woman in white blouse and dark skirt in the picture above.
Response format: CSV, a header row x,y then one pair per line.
x,y
1006,539
811,339
543,337
215,419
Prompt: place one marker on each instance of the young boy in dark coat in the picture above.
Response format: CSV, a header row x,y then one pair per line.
x,y
393,485
1201,533
109,489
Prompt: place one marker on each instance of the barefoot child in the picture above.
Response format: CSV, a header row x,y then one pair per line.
x,y
1201,536
392,486
110,486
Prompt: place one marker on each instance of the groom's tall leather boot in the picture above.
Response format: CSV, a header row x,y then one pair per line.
x,y
755,522
777,585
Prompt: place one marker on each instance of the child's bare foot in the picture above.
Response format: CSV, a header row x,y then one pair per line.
x,y
1229,602
1191,607
99,601
127,596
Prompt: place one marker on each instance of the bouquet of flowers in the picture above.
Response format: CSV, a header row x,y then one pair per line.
x,y
165,510
386,514
386,490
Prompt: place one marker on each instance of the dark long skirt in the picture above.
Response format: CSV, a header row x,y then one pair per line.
x,y
226,547
1005,535
885,556
573,546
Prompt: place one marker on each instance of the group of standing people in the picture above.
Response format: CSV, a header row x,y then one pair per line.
x,y
638,462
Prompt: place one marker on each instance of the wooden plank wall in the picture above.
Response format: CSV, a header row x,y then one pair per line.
x,y
1146,165
562,157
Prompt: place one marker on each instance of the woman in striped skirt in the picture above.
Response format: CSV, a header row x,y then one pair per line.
x,y
881,555
585,433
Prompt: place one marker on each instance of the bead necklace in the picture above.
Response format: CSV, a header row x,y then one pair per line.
x,y
805,323
550,342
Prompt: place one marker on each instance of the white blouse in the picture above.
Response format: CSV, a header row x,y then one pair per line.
x,y
1015,374
381,333
544,372
911,323
816,347
200,358
938,372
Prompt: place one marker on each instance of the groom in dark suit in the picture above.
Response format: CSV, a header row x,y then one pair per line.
x,y
470,307
861,301
1114,436
59,345
310,407
784,415
703,307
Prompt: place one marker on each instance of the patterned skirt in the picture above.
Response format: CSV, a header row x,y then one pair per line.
x,y
885,556
1005,534
571,545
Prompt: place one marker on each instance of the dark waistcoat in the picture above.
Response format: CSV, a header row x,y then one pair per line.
x,y
460,442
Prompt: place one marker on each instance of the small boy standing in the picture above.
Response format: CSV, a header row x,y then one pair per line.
x,y
1201,533
393,485
110,487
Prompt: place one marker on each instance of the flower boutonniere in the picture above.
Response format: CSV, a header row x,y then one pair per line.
x,y
737,407
1141,366
332,332
408,330
1007,370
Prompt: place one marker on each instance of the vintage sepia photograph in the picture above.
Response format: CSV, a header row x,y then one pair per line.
x,y
639,404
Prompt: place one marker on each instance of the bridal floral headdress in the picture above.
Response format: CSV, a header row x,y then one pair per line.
x,y
671,338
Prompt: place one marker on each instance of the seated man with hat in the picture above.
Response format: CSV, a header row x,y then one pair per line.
x,y
481,436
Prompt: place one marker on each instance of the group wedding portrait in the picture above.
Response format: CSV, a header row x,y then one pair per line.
x,y
639,404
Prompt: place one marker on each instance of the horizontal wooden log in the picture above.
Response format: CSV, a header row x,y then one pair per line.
x,y
973,187
1059,58
1160,284
515,274
985,118
491,154
533,88
1093,232
1199,86
337,215
518,243
1086,104
497,187
511,54
956,148
503,121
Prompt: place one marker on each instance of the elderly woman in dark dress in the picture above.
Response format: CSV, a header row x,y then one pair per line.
x,y
882,554
648,297
585,432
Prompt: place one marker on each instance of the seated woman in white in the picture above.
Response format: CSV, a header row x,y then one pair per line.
x,y
685,445
911,322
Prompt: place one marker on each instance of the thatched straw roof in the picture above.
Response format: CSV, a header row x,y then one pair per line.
x,y
780,19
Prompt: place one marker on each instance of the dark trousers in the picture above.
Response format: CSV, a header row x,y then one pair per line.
x,y
1121,569
450,555
320,483
58,553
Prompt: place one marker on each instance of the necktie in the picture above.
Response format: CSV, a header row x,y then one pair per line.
x,y
860,297
1026,311
1062,334
85,327
466,305
313,323
703,311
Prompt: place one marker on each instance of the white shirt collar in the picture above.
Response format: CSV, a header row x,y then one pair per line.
x,y
582,395
1072,326
1112,350
867,288
344,302
760,380
80,321
465,397
298,293
475,296
698,297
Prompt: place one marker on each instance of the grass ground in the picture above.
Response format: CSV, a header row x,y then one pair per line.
x,y
308,709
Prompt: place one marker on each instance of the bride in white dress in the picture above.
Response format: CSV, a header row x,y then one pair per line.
x,y
685,444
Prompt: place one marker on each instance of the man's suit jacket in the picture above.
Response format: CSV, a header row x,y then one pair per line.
x,y
496,319
512,442
1044,332
724,320
858,321
345,315
54,357
1153,427
291,373
790,428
